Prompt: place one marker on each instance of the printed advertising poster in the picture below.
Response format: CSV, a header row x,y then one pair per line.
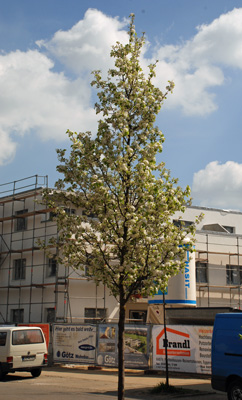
x,y
136,351
74,344
107,348
188,348
135,341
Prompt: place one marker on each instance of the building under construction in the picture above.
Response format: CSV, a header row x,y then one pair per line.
x,y
34,288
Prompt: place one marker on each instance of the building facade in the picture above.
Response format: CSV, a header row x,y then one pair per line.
x,y
34,288
218,256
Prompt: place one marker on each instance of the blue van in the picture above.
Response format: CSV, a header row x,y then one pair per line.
x,y
227,354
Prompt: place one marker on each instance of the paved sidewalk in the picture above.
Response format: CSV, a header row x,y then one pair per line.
x,y
138,383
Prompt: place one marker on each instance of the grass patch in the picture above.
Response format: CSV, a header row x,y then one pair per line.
x,y
164,388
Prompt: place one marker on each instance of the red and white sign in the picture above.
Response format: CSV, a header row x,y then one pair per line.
x,y
188,348
180,347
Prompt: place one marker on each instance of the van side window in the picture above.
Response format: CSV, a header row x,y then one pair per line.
x,y
27,336
3,336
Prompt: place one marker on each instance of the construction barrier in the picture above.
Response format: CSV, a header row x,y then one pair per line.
x,y
187,348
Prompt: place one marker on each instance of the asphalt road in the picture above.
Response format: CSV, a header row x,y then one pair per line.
x,y
63,384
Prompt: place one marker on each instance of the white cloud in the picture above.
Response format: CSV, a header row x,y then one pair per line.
x,y
220,42
86,46
196,66
36,99
218,185
7,148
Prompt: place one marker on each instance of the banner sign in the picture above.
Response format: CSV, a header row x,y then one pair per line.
x,y
74,344
136,349
107,345
188,348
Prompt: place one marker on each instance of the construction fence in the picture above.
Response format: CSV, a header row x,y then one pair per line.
x,y
188,347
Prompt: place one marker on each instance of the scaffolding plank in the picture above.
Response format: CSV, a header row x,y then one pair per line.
x,y
218,253
7,199
19,251
27,214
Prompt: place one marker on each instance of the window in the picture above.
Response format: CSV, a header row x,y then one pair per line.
x,y
27,336
50,314
93,315
137,316
17,315
182,224
234,274
52,266
50,216
89,215
87,266
21,222
201,272
3,336
230,229
70,211
218,228
19,269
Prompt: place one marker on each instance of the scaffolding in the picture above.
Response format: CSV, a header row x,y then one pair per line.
x,y
19,203
24,265
218,255
25,278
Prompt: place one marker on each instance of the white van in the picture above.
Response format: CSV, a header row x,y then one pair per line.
x,y
22,349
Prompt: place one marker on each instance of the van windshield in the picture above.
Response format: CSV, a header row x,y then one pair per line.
x,y
3,336
27,336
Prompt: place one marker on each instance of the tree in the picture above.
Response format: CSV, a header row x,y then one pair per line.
x,y
132,242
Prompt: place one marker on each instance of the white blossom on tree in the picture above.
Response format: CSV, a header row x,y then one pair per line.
x,y
130,244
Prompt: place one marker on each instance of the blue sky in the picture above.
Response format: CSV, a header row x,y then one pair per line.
x,y
48,49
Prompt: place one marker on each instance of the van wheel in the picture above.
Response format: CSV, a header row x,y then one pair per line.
x,y
36,372
235,390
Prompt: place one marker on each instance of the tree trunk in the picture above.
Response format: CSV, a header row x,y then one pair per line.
x,y
121,372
